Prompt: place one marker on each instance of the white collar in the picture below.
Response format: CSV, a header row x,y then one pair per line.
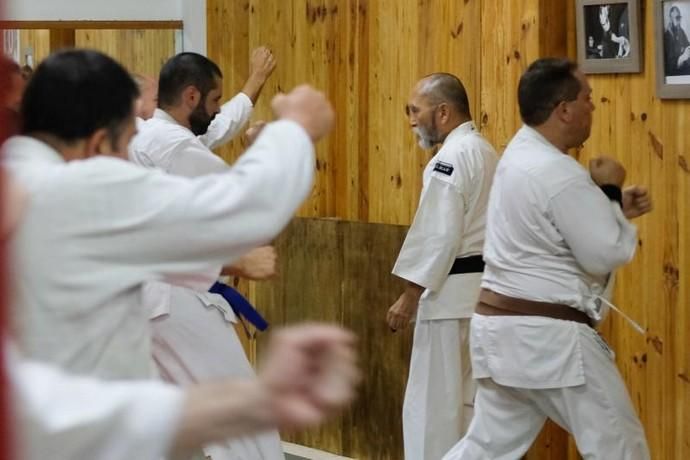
x,y
461,131
26,148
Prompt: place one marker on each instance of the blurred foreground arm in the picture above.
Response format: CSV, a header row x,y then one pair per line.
x,y
309,373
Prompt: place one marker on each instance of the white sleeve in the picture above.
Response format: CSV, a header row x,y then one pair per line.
x,y
191,158
86,418
434,238
233,115
594,227
178,226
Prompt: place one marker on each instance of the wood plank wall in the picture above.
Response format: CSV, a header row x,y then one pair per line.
x,y
139,50
367,54
38,40
346,285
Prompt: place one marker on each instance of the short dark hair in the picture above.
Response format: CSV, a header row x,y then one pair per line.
x,y
546,83
74,93
445,87
183,70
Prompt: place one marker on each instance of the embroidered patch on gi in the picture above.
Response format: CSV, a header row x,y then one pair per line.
x,y
444,168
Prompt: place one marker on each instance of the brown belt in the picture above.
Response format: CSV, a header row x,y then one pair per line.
x,y
494,304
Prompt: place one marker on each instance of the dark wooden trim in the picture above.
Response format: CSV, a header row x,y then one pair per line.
x,y
81,25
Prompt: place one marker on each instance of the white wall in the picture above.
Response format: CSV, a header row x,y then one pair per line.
x,y
95,10
191,12
194,18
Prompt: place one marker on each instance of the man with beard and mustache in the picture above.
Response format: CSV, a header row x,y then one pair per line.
x,y
194,339
676,45
441,261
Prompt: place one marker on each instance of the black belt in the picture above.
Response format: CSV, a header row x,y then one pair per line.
x,y
471,264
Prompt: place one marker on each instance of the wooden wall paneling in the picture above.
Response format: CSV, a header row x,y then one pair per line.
x,y
681,314
339,271
394,161
141,51
228,46
510,42
38,40
372,429
311,273
349,88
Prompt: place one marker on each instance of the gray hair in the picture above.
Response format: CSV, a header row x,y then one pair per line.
x,y
443,87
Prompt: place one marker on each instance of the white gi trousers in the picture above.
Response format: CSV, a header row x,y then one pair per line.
x,y
440,390
178,352
598,412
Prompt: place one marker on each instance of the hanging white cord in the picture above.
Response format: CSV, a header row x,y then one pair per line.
x,y
632,322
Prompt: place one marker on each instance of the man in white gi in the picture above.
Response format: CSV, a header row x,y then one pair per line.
x,y
441,260
193,334
307,374
554,235
97,227
232,115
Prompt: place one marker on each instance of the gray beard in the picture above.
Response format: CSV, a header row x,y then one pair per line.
x,y
424,138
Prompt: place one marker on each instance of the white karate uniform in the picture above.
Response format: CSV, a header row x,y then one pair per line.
x,y
552,236
448,224
95,230
193,335
75,418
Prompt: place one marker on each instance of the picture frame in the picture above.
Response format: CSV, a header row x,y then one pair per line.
x,y
672,48
608,36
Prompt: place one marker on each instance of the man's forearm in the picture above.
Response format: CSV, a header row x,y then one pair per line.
x,y
253,86
218,411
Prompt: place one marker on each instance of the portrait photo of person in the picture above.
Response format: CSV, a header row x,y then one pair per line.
x,y
607,31
676,44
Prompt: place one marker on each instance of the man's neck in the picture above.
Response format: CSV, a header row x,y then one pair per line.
x,y
552,135
69,151
179,115
454,126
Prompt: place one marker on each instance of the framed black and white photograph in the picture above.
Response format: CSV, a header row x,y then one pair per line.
x,y
671,31
608,36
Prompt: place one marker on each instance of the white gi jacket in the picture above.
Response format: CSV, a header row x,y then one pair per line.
x,y
165,144
552,236
95,230
75,418
449,223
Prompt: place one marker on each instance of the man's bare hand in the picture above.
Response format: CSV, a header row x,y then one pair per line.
x,y
402,311
607,171
254,130
307,107
258,264
261,64
310,372
636,201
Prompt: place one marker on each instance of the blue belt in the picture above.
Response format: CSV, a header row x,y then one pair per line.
x,y
240,305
